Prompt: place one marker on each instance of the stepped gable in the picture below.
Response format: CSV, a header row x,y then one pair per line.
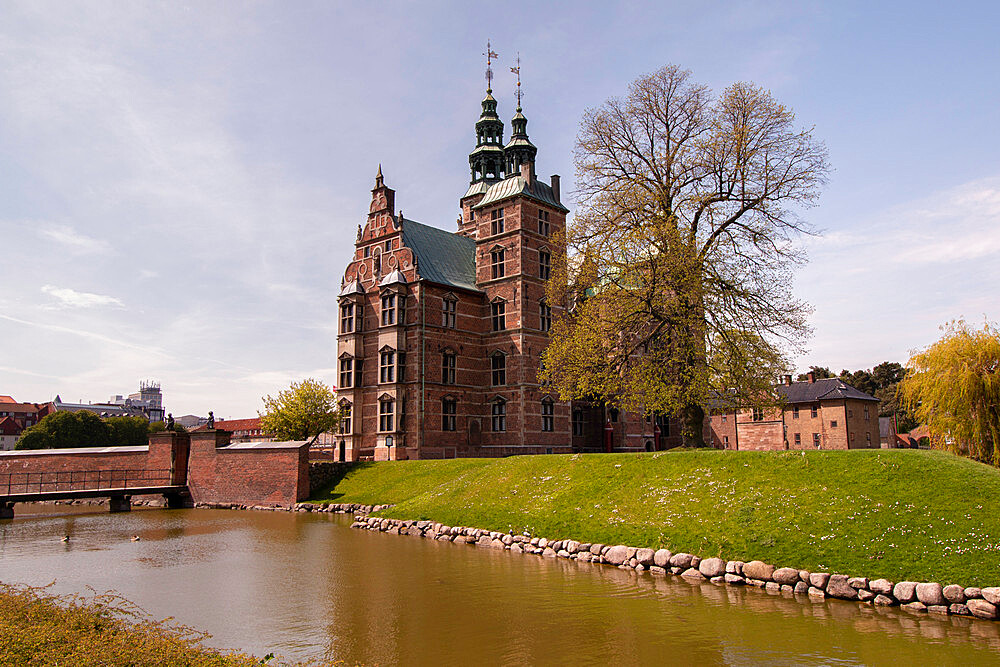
x,y
821,390
442,257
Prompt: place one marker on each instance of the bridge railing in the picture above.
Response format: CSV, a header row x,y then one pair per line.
x,y
82,480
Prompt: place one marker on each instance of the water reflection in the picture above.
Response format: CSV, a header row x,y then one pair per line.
x,y
306,586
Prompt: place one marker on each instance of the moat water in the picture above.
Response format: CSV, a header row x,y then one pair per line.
x,y
307,586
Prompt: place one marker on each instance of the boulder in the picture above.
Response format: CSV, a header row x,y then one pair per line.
x,y
772,587
596,549
905,591
692,573
734,579
991,594
839,588
804,576
662,558
695,561
718,580
819,579
930,593
954,593
883,600
572,546
801,588
973,592
785,588
712,567
915,606
865,595
498,544
982,609
959,610
937,609
786,576
585,556
681,560
858,583
542,542
548,552
756,569
557,545
816,592
880,586
617,555
657,569
645,556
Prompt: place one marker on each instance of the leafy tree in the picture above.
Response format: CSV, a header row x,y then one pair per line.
x,y
302,412
66,429
157,427
681,248
128,430
955,389
819,372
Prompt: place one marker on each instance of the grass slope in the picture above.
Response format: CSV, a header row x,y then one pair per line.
x,y
898,514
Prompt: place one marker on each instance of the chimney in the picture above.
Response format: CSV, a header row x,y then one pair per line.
x,y
555,186
812,377
788,380
527,169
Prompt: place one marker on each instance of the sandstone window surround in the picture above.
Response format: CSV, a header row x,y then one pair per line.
x,y
449,307
548,415
544,316
498,413
543,222
388,309
496,221
497,267
345,418
449,408
448,364
386,414
498,313
544,264
498,369
346,372
387,366
347,318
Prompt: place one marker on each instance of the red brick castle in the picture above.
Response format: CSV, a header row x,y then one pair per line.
x,y
441,332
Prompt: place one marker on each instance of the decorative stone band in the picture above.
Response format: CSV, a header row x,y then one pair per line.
x,y
922,597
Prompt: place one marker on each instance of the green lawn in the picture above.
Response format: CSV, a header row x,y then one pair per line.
x,y
898,514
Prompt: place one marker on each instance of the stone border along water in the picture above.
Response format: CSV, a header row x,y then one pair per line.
x,y
911,595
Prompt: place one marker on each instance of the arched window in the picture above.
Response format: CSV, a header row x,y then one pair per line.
x,y
499,416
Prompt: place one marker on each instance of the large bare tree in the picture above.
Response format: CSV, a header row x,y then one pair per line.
x,y
678,264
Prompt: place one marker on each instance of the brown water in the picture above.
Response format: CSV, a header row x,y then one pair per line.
x,y
308,586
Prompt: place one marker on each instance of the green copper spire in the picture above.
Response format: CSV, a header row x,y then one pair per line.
x,y
487,160
519,149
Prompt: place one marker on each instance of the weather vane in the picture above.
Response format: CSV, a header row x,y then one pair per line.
x,y
517,70
490,55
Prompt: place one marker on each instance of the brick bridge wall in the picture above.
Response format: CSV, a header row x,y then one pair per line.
x,y
271,473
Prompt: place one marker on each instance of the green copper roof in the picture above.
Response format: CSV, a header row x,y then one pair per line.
x,y
477,188
442,257
517,186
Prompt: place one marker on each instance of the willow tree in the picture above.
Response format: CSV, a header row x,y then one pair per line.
x,y
954,388
677,268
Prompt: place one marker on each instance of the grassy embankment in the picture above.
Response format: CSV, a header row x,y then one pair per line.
x,y
39,628
902,515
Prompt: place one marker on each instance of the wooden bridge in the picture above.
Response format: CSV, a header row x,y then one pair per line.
x,y
117,485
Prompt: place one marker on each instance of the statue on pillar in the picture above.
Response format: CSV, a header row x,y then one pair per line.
x,y
210,424
170,421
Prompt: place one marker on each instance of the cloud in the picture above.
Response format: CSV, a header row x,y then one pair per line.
x,y
70,298
76,241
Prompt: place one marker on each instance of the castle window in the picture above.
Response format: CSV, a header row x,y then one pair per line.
x,y
833,423
448,368
448,309
499,414
498,369
498,310
368,251
816,440
758,415
496,263
388,245
578,422
544,316
346,373
868,439
347,318
867,414
795,412
449,408
388,309
386,414
813,410
345,418
386,366
798,439
496,221
544,264
548,412
543,222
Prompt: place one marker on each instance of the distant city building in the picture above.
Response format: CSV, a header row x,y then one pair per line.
x,y
190,421
241,430
147,403
15,417
816,414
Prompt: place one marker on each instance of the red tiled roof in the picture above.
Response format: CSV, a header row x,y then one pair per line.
x,y
6,399
238,424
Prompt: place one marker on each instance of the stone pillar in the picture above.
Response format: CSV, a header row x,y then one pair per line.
x,y
168,451
121,503
6,510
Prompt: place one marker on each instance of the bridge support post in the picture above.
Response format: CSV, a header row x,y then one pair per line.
x,y
6,510
176,501
121,503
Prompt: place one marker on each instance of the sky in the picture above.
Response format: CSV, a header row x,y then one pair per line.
x,y
181,183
